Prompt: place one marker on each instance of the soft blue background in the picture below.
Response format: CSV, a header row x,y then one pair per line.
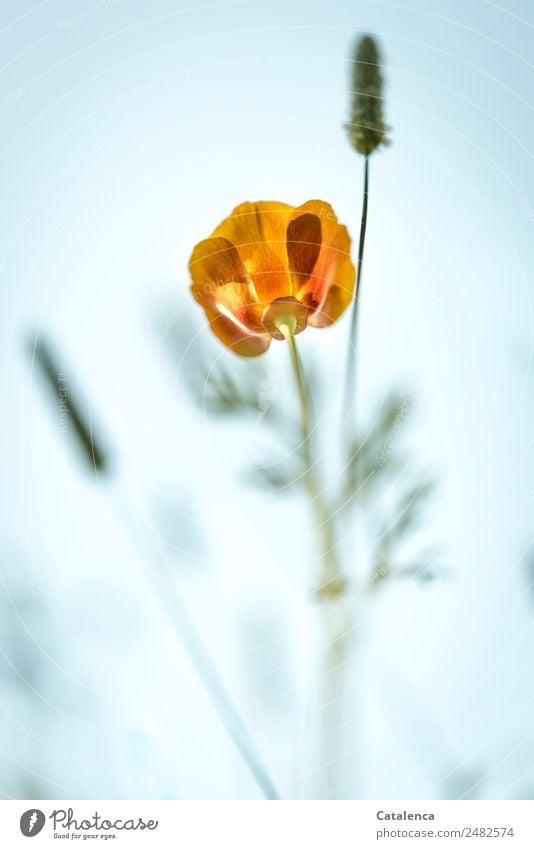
x,y
127,131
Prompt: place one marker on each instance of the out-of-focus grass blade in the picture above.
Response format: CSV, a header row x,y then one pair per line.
x,y
91,446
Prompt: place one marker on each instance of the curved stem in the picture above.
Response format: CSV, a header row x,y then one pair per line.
x,y
350,385
330,583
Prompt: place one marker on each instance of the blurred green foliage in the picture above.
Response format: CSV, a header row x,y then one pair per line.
x,y
377,484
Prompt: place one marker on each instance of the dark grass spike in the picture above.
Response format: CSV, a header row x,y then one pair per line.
x,y
90,444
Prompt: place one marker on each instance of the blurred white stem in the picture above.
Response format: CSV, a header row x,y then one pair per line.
x,y
330,752
333,723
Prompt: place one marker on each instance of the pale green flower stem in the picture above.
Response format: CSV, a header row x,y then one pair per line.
x,y
325,751
330,581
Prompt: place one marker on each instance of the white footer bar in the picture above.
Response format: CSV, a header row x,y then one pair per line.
x,y
268,825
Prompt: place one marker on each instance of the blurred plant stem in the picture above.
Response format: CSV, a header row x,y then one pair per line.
x,y
350,383
330,582
160,576
335,721
367,131
327,739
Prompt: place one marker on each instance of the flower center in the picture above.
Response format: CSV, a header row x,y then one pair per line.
x,y
288,311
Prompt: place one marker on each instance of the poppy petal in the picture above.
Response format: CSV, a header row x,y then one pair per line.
x,y
258,231
220,280
213,263
328,291
235,336
303,245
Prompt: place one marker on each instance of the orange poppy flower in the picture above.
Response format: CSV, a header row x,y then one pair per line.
x,y
269,264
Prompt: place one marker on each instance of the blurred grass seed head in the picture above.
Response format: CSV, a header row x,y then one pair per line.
x,y
366,128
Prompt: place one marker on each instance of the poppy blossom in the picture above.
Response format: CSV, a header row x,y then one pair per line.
x,y
270,264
